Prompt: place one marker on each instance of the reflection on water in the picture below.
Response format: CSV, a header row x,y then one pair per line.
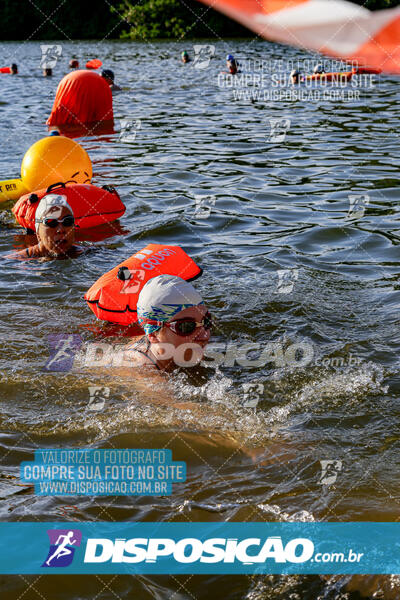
x,y
288,259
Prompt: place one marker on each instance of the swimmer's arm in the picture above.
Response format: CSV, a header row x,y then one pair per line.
x,y
152,384
154,388
18,254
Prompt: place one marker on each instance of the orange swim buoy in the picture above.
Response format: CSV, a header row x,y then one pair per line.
x,y
367,71
91,205
95,63
115,294
82,97
5,70
340,76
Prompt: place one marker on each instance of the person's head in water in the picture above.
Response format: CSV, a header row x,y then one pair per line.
x,y
319,69
231,64
55,225
108,75
295,76
73,63
47,72
185,57
175,319
14,68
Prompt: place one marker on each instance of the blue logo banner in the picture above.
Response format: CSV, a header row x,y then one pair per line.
x,y
200,548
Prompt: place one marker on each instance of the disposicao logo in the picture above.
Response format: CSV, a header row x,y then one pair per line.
x,y
62,547
192,550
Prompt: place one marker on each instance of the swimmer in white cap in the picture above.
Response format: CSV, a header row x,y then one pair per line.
x,y
176,322
318,69
55,229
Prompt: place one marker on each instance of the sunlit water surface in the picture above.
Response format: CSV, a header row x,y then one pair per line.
x,y
278,206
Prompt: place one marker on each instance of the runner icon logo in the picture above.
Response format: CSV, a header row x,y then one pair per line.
x,y
204,205
129,129
330,470
50,55
63,348
252,394
358,204
98,397
63,543
202,55
279,129
286,280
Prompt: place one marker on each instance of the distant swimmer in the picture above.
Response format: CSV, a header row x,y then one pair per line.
x,y
55,230
185,58
73,64
108,75
295,77
176,322
318,69
48,72
83,97
231,64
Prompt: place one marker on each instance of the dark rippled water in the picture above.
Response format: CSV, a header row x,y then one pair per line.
x,y
278,207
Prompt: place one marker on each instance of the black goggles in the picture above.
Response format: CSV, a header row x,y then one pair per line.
x,y
66,221
188,325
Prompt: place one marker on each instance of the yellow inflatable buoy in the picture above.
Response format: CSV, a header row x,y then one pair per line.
x,y
55,159
12,189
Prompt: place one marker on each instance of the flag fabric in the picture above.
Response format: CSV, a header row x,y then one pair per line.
x,y
336,28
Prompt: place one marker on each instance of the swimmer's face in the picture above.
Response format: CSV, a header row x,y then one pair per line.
x,y
200,336
56,240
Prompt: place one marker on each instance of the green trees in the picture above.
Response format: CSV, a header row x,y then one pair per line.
x,y
175,19
153,19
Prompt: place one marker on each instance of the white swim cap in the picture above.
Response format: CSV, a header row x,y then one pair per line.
x,y
162,298
51,204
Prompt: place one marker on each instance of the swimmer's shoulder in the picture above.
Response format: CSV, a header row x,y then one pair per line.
x,y
137,353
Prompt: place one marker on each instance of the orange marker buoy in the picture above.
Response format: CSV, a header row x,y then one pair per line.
x,y
82,97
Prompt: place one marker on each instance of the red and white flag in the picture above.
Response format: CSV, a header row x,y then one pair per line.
x,y
337,28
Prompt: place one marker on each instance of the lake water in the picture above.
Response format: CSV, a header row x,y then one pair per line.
x,y
289,259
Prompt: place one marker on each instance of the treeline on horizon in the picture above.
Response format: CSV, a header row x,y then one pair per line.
x,y
115,19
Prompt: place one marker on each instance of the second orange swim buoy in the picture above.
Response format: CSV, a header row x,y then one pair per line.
x,y
335,77
114,296
90,204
